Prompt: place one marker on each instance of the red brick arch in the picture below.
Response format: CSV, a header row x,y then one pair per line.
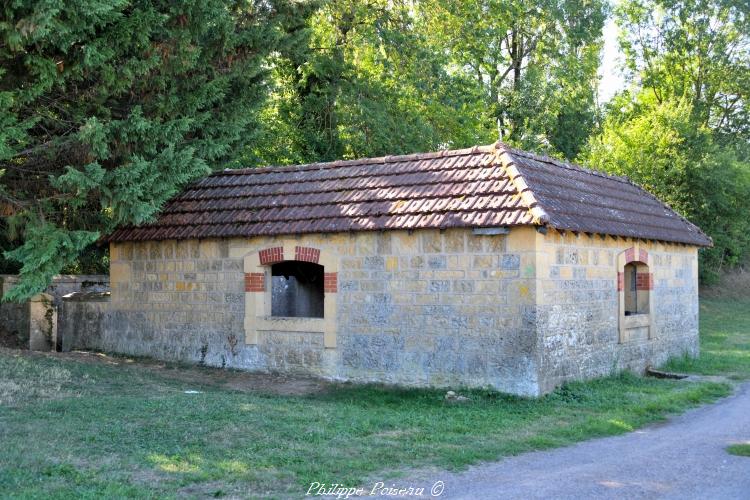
x,y
307,254
644,281
630,256
271,255
255,282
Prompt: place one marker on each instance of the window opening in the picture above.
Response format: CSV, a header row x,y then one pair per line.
x,y
297,289
636,289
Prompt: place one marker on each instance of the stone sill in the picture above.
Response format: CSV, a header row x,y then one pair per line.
x,y
290,324
637,321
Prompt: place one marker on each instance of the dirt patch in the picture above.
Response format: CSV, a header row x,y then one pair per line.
x,y
237,380
191,375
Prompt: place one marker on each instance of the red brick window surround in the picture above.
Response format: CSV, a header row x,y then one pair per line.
x,y
330,282
274,255
271,255
307,254
635,294
630,256
643,256
644,281
291,287
255,282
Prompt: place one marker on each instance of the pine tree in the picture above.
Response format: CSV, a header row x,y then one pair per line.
x,y
108,107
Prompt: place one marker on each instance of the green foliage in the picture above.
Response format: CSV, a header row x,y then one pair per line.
x,y
108,107
741,450
366,84
693,49
683,131
661,148
385,77
725,339
6,266
46,250
535,63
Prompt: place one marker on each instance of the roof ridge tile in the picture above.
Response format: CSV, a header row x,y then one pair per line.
x,y
524,191
357,161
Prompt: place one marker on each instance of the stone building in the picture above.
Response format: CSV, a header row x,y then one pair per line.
x,y
486,266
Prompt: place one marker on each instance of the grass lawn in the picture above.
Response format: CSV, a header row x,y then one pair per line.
x,y
71,428
725,340
741,450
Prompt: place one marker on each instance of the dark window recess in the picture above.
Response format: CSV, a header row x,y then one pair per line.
x,y
297,289
636,300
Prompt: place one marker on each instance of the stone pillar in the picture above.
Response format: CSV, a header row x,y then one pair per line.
x,y
42,323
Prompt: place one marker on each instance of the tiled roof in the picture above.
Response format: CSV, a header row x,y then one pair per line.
x,y
484,186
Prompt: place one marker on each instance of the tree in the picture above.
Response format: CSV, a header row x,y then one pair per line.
x,y
682,130
108,107
385,77
367,83
693,49
535,62
661,148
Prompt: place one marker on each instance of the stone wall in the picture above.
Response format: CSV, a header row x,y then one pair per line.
x,y
178,301
14,317
81,319
439,308
42,323
578,311
426,308
521,312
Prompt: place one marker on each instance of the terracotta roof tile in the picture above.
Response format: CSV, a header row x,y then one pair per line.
x,y
476,187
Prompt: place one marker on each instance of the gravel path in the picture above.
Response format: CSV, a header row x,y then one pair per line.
x,y
684,458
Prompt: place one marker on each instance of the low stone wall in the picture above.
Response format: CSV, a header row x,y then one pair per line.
x,y
81,318
15,318
43,323
62,284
